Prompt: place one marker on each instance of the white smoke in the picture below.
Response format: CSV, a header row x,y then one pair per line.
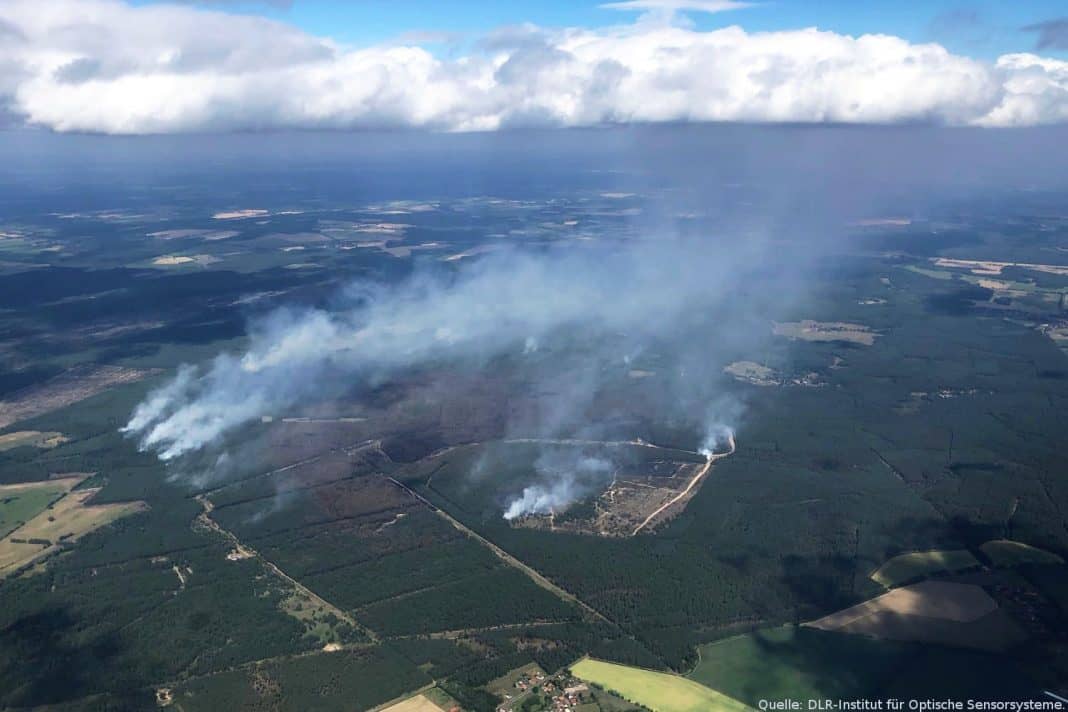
x,y
502,303
565,486
722,417
716,439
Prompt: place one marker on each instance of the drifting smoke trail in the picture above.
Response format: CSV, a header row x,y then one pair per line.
x,y
719,435
567,484
509,301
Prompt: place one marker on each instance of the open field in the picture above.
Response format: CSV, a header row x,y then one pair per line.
x,y
419,703
809,330
752,372
801,663
658,691
22,502
956,614
930,599
32,438
1004,552
987,267
905,568
65,521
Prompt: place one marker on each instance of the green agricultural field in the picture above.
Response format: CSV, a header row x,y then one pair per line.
x,y
1005,552
660,692
920,564
796,663
19,504
804,663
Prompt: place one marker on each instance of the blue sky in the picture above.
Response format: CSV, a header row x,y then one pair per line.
x,y
978,29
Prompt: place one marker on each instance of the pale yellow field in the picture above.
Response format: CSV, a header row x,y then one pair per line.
x,y
45,441
419,703
752,372
658,691
808,330
64,484
69,519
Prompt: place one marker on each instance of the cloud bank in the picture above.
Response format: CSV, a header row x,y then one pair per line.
x,y
105,66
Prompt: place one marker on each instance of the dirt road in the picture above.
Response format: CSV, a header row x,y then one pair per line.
x,y
693,483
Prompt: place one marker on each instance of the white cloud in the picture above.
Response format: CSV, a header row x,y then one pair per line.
x,y
105,66
676,5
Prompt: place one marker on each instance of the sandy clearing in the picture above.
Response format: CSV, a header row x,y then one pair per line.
x,y
990,268
65,483
993,284
693,483
808,330
930,599
419,703
192,232
752,372
240,214
36,438
175,260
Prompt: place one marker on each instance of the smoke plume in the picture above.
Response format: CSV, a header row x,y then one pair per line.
x,y
509,302
564,480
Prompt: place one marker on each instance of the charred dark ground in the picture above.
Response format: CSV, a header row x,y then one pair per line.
x,y
366,510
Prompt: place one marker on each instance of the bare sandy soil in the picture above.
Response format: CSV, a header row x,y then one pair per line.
x,y
419,703
989,268
808,330
36,438
202,234
239,214
752,372
175,260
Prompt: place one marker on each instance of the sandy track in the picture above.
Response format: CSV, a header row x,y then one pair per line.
x,y
693,483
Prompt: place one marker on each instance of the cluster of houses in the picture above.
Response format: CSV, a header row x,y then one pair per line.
x,y
570,697
565,692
